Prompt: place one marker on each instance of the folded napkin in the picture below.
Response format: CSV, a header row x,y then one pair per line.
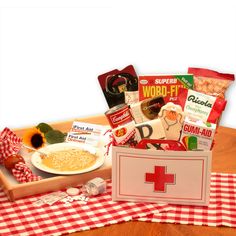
x,y
9,144
23,174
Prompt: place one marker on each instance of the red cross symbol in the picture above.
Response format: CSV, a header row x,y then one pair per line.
x,y
160,178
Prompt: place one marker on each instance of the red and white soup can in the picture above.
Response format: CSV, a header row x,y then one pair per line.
x,y
119,115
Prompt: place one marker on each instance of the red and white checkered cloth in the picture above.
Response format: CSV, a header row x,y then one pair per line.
x,y
220,212
23,173
9,144
24,218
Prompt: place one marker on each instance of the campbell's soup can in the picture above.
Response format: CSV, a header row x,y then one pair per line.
x,y
118,115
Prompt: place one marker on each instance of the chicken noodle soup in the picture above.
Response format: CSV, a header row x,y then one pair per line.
x,y
72,159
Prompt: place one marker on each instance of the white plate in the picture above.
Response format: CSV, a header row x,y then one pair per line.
x,y
37,161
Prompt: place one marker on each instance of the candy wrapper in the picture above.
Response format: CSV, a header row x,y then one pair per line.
x,y
147,109
114,83
172,116
166,86
126,135
9,144
197,135
201,106
211,82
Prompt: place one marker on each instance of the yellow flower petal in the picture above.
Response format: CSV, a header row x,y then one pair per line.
x,y
34,138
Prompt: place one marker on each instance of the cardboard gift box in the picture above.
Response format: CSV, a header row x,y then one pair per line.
x,y
148,175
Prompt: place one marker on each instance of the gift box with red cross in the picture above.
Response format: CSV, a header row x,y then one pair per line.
x,y
149,175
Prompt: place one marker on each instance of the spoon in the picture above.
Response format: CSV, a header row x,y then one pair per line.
x,y
42,154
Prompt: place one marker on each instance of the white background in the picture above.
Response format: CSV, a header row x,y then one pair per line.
x,y
51,52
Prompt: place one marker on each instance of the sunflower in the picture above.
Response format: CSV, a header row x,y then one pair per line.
x,y
34,138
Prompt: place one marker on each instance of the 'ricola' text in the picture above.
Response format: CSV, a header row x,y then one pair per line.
x,y
194,99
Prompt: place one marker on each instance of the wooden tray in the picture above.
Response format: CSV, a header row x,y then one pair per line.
x,y
50,182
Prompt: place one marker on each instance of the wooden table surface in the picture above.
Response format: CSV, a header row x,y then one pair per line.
x,y
223,160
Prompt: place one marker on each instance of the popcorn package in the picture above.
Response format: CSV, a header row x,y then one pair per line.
x,y
201,106
197,135
211,82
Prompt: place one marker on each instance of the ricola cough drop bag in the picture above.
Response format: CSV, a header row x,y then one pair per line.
x,y
201,106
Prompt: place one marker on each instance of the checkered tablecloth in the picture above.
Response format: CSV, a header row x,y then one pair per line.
x,y
24,218
220,212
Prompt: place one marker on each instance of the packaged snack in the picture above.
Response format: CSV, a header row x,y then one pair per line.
x,y
172,117
211,82
114,83
147,109
152,129
201,106
197,135
166,86
118,115
125,135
